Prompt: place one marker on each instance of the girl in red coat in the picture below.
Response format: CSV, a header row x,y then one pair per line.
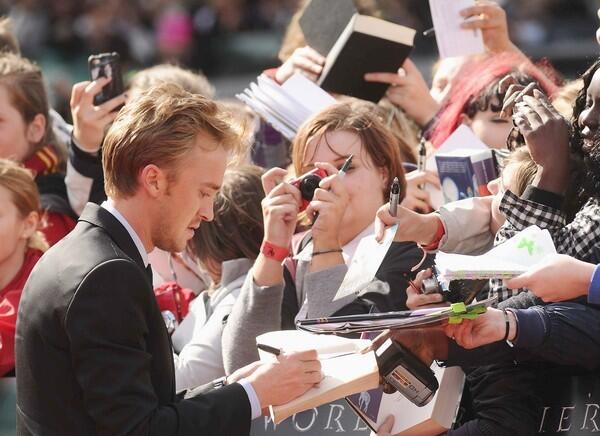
x,y
22,246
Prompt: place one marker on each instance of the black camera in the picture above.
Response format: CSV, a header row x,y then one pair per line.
x,y
453,291
106,65
307,184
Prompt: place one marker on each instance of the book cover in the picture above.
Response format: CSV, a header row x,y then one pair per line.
x,y
485,171
321,27
456,176
368,44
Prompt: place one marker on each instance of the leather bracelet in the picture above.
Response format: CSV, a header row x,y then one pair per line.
x,y
507,322
516,327
337,250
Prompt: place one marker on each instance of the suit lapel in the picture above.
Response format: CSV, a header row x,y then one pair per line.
x,y
100,217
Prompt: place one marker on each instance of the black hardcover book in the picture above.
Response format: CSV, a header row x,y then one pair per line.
x,y
367,45
323,21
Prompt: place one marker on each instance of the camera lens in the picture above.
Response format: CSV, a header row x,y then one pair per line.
x,y
308,184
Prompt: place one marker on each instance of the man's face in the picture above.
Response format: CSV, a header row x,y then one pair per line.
x,y
190,196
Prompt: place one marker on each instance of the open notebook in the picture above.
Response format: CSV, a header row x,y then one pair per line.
x,y
512,258
345,370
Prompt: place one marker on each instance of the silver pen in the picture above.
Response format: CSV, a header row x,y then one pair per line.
x,y
394,196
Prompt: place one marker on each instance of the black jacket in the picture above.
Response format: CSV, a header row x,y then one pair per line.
x,y
92,352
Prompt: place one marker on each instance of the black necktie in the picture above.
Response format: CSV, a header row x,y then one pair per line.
x,y
149,272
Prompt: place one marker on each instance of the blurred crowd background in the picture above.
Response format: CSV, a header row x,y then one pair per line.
x,y
231,41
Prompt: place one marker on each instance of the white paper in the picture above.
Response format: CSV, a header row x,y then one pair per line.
x,y
463,137
365,263
514,257
288,106
451,39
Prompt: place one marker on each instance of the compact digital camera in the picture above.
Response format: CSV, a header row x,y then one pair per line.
x,y
406,373
307,184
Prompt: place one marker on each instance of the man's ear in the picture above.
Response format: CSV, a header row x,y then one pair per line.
x,y
153,180
36,129
464,119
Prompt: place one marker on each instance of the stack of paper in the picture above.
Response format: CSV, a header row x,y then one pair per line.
x,y
288,106
512,258
451,39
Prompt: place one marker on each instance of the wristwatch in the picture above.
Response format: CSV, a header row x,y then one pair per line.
x,y
219,383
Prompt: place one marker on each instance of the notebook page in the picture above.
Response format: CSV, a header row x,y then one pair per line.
x,y
451,39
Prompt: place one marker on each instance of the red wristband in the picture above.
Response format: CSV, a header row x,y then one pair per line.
x,y
274,252
439,234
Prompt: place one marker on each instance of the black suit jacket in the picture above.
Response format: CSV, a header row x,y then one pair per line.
x,y
92,352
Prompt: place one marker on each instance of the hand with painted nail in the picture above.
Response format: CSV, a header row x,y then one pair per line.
x,y
89,121
409,91
490,18
303,60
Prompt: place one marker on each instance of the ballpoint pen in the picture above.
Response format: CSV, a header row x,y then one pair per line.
x,y
394,196
346,165
422,159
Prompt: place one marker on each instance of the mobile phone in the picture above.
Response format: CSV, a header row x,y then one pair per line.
x,y
106,65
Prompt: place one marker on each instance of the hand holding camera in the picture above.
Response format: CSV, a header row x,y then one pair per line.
x,y
327,208
280,207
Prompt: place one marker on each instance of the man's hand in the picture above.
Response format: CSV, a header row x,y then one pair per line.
x,y
490,18
286,378
304,60
558,278
409,91
89,121
487,328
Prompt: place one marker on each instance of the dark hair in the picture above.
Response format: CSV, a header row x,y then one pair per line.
x,y
585,174
237,228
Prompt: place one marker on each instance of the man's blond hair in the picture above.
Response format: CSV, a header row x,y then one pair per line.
x,y
160,127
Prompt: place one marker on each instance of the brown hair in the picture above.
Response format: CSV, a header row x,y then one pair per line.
x,y
24,83
525,173
237,229
8,41
24,194
402,127
360,118
159,127
196,83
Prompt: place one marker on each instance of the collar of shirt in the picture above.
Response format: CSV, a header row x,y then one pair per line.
x,y
109,205
348,250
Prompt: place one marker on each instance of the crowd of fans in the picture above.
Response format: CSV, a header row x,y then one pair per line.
x,y
227,288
